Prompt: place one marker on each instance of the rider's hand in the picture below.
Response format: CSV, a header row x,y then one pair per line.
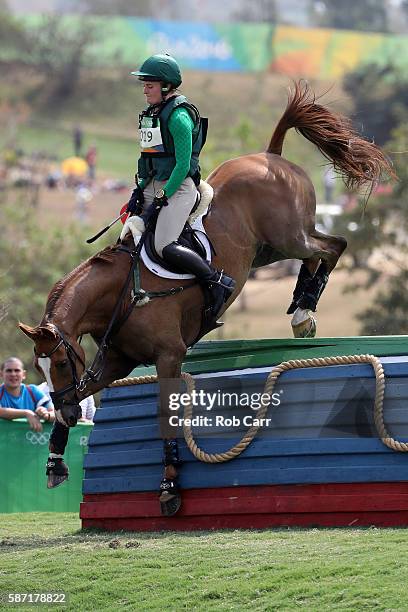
x,y
33,420
135,204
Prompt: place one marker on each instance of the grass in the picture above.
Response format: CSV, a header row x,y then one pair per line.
x,y
313,569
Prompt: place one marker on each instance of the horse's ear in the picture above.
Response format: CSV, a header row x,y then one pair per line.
x,y
31,332
35,333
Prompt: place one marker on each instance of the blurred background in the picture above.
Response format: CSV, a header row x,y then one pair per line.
x,y
68,138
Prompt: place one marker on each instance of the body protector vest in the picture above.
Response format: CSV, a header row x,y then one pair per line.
x,y
158,155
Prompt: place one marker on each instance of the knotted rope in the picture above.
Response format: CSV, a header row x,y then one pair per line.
x,y
268,390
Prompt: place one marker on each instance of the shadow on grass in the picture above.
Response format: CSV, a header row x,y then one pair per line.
x,y
129,539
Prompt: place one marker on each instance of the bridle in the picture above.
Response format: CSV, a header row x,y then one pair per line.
x,y
77,384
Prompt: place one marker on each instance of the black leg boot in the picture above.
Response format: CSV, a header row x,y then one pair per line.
x,y
170,495
57,471
303,279
221,286
314,289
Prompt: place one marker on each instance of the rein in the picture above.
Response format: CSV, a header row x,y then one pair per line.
x,y
94,372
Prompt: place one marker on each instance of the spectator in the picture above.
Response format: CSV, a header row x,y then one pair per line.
x,y
88,409
83,196
18,400
77,140
87,405
90,159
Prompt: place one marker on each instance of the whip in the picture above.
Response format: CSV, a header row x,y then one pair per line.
x,y
105,229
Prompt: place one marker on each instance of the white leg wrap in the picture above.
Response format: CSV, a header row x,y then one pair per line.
x,y
299,316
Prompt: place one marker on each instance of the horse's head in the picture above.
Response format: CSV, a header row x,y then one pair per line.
x,y
61,360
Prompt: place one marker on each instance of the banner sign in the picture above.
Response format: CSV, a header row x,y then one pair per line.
x,y
298,52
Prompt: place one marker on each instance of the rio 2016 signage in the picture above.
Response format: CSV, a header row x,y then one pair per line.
x,y
311,53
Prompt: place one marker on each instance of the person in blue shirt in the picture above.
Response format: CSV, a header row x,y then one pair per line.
x,y
18,400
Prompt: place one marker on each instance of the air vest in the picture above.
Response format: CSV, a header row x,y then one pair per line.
x,y
158,155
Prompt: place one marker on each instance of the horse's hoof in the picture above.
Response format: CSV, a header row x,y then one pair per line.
x,y
57,472
305,329
55,480
169,504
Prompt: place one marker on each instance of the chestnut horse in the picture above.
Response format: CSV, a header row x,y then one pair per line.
x,y
263,211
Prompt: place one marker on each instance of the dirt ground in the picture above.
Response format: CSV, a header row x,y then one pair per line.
x,y
267,299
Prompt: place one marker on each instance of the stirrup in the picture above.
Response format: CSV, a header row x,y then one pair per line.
x,y
57,472
224,281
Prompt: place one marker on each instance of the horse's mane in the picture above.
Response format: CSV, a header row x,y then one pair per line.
x,y
107,255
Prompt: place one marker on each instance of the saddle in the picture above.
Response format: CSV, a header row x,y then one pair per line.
x,y
189,238
193,236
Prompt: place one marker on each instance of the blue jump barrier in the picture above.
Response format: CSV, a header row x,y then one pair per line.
x,y
318,461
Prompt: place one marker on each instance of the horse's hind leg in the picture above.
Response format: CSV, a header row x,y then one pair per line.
x,y
168,367
312,280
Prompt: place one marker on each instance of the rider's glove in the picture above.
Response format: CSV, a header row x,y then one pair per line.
x,y
135,204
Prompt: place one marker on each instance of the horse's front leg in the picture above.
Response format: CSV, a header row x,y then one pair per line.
x,y
168,367
117,366
57,470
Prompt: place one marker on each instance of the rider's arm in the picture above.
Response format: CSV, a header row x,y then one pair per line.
x,y
181,128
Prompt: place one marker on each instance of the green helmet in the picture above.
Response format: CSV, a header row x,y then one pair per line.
x,y
160,68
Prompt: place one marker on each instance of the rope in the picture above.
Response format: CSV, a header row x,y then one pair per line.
x,y
269,386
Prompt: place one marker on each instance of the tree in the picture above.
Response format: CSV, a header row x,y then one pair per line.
x,y
380,99
257,11
387,237
141,8
363,15
32,259
13,36
60,51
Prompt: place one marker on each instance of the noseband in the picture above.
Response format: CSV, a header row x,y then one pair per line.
x,y
76,384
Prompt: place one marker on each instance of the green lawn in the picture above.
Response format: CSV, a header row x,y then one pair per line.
x,y
117,156
327,569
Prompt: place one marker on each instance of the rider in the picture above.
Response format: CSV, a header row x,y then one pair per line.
x,y
172,135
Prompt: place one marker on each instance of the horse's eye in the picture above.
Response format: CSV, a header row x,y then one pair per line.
x,y
61,364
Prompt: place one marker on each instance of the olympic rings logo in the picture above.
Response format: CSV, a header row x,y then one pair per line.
x,y
37,438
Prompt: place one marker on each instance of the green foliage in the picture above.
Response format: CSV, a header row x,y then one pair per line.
x,y
380,99
32,259
388,315
385,233
364,15
13,36
60,51
140,8
261,11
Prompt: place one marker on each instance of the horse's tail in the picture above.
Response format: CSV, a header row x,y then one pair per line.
x,y
358,161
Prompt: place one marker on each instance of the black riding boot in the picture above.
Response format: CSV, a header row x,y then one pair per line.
x,y
187,261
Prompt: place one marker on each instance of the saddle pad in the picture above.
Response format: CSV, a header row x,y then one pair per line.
x,y
157,269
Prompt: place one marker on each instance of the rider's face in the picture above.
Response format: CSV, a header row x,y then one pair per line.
x,y
152,91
